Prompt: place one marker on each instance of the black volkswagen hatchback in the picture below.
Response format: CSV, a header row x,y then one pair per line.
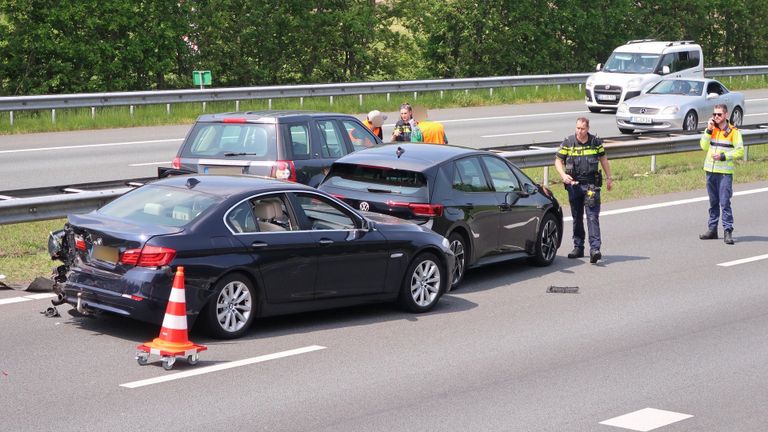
x,y
250,247
487,207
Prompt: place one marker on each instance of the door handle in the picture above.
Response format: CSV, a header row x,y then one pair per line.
x,y
325,242
259,244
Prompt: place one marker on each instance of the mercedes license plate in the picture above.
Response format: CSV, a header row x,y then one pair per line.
x,y
641,120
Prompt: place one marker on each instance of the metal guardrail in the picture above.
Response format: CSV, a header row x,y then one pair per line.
x,y
85,100
30,205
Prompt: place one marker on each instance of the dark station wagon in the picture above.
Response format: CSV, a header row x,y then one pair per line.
x,y
289,145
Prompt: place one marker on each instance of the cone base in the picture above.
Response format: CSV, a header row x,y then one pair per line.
x,y
164,348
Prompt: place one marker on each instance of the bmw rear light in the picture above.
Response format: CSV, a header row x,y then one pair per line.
x,y
420,209
284,170
176,164
79,243
148,256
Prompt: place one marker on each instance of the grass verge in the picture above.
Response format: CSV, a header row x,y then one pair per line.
x,y
23,247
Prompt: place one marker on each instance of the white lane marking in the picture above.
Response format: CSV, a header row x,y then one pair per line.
x,y
150,163
12,300
69,147
669,204
505,117
743,261
756,114
646,419
515,134
222,366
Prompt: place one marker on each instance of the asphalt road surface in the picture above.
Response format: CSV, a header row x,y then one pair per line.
x,y
667,333
51,159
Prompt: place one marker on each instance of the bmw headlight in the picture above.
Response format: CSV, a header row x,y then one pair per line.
x,y
623,108
672,109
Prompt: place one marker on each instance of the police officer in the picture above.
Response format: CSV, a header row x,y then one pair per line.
x,y
577,163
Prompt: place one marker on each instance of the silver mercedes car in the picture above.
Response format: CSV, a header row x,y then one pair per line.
x,y
681,103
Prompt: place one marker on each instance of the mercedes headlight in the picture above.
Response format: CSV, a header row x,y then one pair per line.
x,y
623,108
672,109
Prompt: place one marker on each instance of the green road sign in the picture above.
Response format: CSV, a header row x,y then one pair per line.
x,y
201,78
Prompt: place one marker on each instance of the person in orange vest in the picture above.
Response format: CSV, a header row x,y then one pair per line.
x,y
374,121
432,132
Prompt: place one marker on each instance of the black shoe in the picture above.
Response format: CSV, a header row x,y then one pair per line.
x,y
709,235
595,256
576,253
727,237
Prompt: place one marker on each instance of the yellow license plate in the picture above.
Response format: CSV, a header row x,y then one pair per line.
x,y
105,253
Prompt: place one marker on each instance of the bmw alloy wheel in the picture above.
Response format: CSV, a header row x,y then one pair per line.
x,y
233,306
425,283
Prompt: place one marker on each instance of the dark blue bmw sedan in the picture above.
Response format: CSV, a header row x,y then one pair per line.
x,y
250,247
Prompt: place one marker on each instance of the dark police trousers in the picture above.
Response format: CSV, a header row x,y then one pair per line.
x,y
577,195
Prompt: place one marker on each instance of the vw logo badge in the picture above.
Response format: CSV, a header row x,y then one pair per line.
x,y
364,206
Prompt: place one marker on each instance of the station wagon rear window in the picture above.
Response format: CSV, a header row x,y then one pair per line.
x,y
246,141
377,179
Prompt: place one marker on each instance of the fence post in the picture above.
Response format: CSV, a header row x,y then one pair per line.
x,y
653,163
167,109
301,101
93,113
490,92
361,99
330,98
131,109
546,176
53,115
269,103
11,112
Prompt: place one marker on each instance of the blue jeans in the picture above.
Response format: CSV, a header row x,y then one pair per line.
x,y
576,197
720,191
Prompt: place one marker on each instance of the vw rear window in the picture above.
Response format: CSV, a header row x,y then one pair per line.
x,y
247,141
160,205
377,179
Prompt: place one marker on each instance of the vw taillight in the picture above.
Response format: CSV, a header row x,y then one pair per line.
x,y
148,256
420,209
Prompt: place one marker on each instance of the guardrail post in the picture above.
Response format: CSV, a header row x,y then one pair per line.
x,y
360,97
387,97
53,115
441,94
269,103
301,101
579,87
167,109
415,95
330,98
93,113
237,105
653,163
546,176
490,92
131,110
11,112
746,153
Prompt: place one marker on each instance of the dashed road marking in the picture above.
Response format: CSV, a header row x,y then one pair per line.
x,y
30,297
646,419
222,366
743,261
82,146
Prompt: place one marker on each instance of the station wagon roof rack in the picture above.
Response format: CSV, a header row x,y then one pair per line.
x,y
684,42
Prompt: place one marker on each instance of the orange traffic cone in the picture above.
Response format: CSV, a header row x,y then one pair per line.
x,y
173,339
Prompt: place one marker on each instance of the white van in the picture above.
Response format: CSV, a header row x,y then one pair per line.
x,y
638,65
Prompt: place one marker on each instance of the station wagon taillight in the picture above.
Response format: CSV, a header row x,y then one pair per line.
x,y
176,164
420,209
284,170
148,256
